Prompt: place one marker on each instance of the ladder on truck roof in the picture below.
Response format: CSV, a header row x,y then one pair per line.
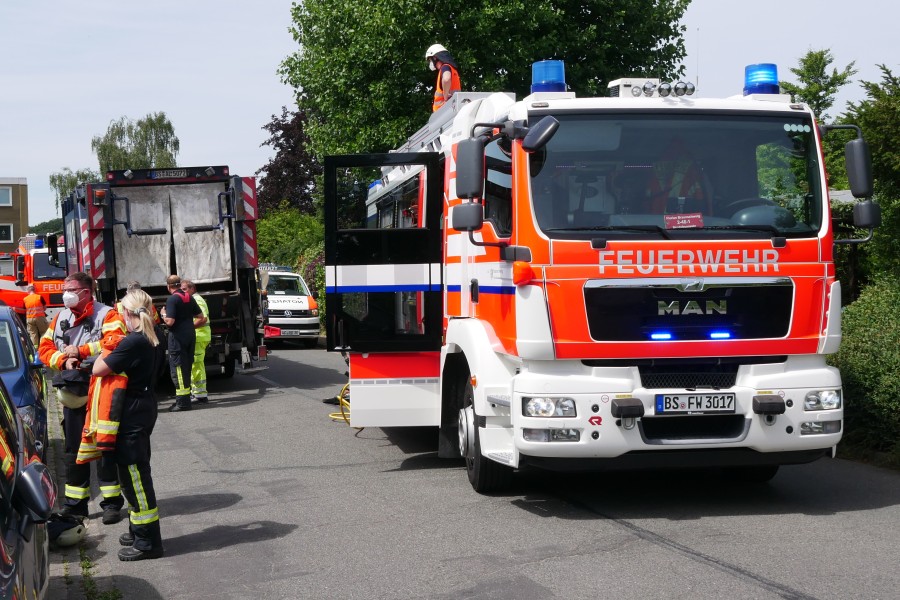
x,y
428,138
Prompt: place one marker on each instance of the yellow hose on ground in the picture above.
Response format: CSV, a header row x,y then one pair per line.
x,y
344,402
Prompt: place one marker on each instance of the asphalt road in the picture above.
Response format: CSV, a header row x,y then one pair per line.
x,y
262,495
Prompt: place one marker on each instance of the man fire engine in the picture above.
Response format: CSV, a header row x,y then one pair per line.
x,y
643,280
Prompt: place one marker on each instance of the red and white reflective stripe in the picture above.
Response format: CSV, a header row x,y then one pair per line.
x,y
249,197
98,266
249,233
248,227
85,247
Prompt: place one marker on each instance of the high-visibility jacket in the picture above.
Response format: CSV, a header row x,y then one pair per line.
x,y
438,89
106,396
85,332
203,333
34,306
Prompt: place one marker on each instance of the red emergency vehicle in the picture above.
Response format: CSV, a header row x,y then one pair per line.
x,y
640,280
31,264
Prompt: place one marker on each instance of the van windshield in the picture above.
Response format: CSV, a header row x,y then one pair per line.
x,y
286,285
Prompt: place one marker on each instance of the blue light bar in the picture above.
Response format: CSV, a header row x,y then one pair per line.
x,y
720,335
761,78
38,243
548,76
661,336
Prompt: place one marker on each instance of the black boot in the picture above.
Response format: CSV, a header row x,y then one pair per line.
x,y
131,553
181,403
126,539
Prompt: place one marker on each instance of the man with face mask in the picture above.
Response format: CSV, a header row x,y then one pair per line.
x,y
75,335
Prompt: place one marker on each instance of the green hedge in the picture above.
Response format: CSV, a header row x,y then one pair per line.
x,y
869,361
311,265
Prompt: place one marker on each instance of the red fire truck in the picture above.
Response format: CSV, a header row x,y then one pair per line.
x,y
640,280
31,264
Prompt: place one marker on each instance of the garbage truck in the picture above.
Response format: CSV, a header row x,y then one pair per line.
x,y
197,222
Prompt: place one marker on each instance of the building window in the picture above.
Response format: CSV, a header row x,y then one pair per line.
x,y
5,196
6,233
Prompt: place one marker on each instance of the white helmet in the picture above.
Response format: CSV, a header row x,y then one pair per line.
x,y
429,54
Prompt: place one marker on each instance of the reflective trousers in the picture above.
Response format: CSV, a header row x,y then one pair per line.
x,y
181,359
137,486
78,477
198,369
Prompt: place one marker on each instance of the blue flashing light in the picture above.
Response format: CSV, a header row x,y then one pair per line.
x,y
761,78
38,243
661,336
720,335
548,76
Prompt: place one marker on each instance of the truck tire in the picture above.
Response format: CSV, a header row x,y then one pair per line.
x,y
485,475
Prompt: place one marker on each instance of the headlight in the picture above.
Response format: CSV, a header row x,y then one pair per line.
x,y
314,312
548,407
822,400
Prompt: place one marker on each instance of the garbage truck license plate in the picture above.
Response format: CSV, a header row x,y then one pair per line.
x,y
694,404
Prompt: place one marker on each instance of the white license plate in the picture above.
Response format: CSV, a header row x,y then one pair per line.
x,y
694,404
290,332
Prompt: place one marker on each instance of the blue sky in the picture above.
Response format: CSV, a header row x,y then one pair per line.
x,y
69,68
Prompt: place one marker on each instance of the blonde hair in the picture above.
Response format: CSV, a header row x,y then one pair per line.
x,y
139,304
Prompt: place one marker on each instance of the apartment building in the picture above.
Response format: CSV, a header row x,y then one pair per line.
x,y
13,211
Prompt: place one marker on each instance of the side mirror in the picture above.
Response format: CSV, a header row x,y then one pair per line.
x,y
470,168
866,214
468,216
35,495
859,168
315,295
538,136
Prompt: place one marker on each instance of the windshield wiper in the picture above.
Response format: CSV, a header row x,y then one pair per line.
x,y
648,228
760,227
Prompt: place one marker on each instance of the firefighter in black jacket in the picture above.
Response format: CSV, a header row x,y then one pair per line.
x,y
137,411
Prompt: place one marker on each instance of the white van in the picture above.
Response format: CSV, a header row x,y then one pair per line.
x,y
293,313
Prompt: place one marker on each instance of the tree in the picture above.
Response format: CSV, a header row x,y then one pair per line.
x,y
51,226
817,87
879,118
290,176
143,144
284,234
65,180
360,72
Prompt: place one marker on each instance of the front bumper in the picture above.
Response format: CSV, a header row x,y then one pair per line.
x,y
743,437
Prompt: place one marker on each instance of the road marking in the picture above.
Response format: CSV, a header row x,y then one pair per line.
x,y
266,380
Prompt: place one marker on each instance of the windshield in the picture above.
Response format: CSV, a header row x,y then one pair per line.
x,y
44,270
704,175
286,285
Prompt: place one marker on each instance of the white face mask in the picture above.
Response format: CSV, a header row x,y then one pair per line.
x,y
70,299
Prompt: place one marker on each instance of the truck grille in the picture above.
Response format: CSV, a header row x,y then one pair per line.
x,y
687,373
688,428
294,313
625,312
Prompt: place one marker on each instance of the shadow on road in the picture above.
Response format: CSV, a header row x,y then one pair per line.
x,y
826,487
129,587
197,503
222,536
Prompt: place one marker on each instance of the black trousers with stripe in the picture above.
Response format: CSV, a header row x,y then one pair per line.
x,y
137,487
